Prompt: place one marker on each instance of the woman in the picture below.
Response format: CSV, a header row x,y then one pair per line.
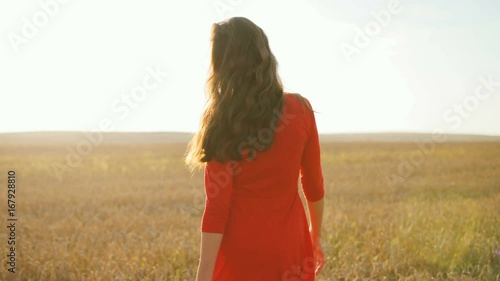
x,y
254,141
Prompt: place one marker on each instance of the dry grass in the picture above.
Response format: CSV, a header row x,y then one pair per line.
x,y
132,212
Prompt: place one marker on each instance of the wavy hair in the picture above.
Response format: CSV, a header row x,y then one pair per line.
x,y
244,93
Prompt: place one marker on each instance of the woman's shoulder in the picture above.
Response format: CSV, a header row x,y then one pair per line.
x,y
298,101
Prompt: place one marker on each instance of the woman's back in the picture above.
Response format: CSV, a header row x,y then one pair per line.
x,y
256,204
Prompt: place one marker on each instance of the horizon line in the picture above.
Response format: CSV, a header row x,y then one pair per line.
x,y
192,132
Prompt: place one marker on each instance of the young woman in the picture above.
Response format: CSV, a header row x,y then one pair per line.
x,y
254,142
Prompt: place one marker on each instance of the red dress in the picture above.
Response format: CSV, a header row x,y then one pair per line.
x,y
257,208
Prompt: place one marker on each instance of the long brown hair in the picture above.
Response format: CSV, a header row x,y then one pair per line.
x,y
244,91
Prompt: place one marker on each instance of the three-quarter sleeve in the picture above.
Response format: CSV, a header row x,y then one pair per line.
x,y
311,175
218,189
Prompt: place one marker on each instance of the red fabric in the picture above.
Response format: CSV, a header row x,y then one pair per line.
x,y
256,204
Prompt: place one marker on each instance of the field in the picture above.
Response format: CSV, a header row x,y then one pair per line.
x,y
132,212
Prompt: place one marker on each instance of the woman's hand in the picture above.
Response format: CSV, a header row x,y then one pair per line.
x,y
319,255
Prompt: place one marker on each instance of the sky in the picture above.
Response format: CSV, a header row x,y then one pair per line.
x,y
365,66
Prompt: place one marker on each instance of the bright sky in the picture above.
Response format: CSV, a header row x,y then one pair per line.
x,y
424,65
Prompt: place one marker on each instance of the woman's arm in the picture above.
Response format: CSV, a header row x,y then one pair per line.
x,y
210,243
316,218
218,189
314,190
312,177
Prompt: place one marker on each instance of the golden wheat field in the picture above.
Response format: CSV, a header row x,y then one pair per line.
x,y
132,212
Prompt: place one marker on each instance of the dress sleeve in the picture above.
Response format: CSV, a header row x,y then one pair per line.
x,y
218,189
311,175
